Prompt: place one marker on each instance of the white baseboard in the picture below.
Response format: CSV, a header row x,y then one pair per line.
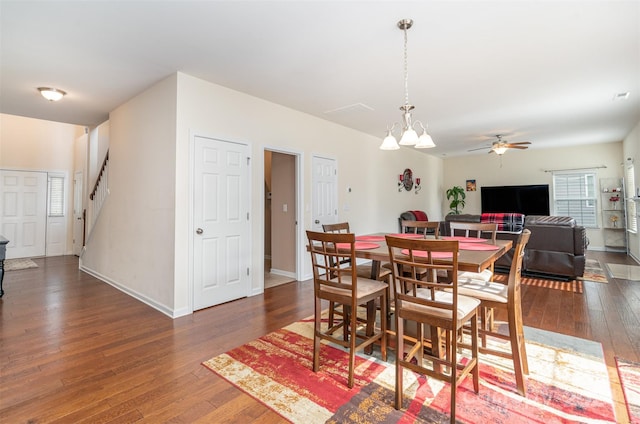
x,y
142,298
283,273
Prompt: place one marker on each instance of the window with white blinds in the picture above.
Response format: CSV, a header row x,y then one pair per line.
x,y
630,183
56,196
575,195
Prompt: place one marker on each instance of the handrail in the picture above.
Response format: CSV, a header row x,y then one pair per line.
x,y
104,165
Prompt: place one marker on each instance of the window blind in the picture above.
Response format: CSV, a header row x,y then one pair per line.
x,y
56,196
575,195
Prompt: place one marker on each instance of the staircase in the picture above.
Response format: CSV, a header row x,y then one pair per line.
x,y
99,193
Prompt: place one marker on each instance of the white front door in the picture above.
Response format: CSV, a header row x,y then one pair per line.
x,y
78,215
23,212
324,192
221,228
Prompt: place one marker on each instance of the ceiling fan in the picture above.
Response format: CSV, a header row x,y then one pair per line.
x,y
500,146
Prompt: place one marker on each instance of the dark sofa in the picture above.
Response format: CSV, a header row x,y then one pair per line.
x,y
556,248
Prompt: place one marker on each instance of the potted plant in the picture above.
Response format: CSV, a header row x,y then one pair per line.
x,y
456,197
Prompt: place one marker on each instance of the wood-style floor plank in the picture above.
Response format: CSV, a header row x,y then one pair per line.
x,y
74,349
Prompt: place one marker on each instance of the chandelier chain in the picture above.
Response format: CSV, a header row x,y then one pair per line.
x,y
406,70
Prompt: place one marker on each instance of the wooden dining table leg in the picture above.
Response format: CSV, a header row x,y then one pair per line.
x,y
371,322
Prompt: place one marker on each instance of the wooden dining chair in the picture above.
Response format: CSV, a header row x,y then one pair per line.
x,y
363,270
478,230
342,286
421,227
427,302
498,296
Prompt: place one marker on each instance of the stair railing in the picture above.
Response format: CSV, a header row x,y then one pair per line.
x,y
100,190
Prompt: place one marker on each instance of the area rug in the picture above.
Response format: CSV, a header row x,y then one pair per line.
x,y
564,386
629,373
574,286
18,264
593,271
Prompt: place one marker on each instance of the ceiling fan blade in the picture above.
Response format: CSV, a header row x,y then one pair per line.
x,y
518,147
479,148
519,143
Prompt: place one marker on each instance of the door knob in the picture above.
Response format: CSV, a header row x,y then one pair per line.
x,y
317,221
199,231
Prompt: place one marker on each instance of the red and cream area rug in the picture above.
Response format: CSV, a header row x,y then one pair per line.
x,y
564,386
629,373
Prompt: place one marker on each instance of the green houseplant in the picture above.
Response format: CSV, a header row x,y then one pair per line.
x,y
456,197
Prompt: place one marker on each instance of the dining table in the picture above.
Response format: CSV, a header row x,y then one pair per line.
x,y
475,254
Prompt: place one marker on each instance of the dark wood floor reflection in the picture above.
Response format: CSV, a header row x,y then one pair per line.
x,y
74,349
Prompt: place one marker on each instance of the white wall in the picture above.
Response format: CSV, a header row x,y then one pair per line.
x,y
374,203
631,148
38,145
133,243
528,167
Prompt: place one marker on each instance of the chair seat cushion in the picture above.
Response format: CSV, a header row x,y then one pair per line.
x,y
466,304
484,290
366,287
364,271
468,276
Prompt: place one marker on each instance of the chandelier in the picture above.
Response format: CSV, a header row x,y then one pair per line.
x,y
409,136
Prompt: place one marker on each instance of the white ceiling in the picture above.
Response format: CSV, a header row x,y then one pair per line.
x,y
539,71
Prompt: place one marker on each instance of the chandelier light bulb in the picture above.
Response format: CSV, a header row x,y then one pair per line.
x,y
425,141
389,142
409,137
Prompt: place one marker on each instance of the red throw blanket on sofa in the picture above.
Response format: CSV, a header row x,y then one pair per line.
x,y
420,215
506,221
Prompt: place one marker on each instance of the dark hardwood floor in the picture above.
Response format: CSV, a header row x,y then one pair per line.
x,y
75,350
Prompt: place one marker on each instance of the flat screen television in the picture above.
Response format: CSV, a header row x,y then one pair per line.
x,y
524,199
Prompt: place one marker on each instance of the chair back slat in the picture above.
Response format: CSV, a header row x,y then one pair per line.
x,y
421,227
340,227
474,229
328,252
413,258
515,273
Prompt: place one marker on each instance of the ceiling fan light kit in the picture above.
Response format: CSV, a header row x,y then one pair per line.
x,y
409,136
500,146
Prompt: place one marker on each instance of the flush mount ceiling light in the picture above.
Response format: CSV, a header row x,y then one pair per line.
x,y
408,137
51,94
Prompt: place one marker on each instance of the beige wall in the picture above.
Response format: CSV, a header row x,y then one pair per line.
x,y
631,148
141,241
373,204
528,167
133,244
37,145
283,223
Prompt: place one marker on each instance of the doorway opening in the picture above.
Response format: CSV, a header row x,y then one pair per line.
x,y
281,213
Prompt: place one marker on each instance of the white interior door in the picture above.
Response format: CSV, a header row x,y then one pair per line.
x,y
23,212
324,192
221,229
78,216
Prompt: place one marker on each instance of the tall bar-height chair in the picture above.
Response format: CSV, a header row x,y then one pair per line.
x,y
421,227
436,304
364,271
478,230
342,286
493,295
